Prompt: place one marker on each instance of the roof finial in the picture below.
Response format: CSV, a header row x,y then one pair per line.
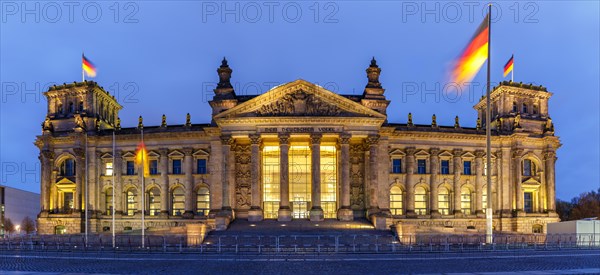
x,y
373,62
224,62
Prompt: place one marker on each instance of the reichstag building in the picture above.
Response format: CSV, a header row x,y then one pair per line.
x,y
298,151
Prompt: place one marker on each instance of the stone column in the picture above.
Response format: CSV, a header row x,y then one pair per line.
x,y
410,188
164,182
372,142
284,214
345,212
54,191
216,168
255,213
457,166
46,160
118,184
227,142
550,159
92,191
506,182
383,176
479,180
316,212
435,170
79,178
188,162
517,155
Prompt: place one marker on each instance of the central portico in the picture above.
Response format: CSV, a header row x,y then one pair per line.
x,y
299,136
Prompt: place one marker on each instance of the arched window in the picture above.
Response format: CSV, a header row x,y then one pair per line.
x,y
108,201
131,201
529,168
514,107
202,201
396,200
420,201
524,108
177,201
465,200
60,230
444,201
71,107
67,168
537,228
154,201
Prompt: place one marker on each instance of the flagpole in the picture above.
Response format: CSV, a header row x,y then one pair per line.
x,y
488,132
113,189
82,71
143,190
512,72
85,203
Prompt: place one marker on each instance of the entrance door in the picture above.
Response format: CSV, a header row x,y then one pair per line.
x,y
299,208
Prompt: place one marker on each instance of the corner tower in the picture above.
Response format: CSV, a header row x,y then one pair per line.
x,y
373,95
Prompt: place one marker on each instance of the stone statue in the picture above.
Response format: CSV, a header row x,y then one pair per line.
x,y
517,123
478,123
47,125
549,125
140,122
188,120
79,122
164,121
118,123
410,123
97,124
433,121
456,123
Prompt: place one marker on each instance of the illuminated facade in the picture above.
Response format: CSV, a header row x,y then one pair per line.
x,y
298,151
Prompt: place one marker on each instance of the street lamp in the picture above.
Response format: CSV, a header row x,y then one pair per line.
x,y
18,228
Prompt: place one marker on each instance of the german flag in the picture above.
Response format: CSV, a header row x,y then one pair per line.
x,y
141,158
473,56
88,67
508,67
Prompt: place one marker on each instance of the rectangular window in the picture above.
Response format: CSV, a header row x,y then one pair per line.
x,y
130,168
467,167
421,166
176,166
201,166
396,166
527,168
153,167
445,167
108,171
528,202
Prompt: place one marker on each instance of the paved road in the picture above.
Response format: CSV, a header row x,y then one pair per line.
x,y
553,262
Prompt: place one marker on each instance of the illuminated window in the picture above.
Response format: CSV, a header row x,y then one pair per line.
x,y
537,229
420,201
177,201
108,170
444,201
467,167
421,166
68,202
465,201
202,201
201,166
484,199
108,201
396,200
270,181
131,201
154,201
67,168
176,166
130,168
445,167
528,202
300,167
396,166
329,180
60,230
153,167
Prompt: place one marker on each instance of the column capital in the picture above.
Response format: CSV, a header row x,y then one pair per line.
x,y
345,138
372,140
457,152
79,152
163,152
284,139
517,153
549,154
410,151
227,140
254,139
434,152
47,154
479,154
187,151
315,138
499,154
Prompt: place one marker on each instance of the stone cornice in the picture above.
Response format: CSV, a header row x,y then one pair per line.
x,y
319,121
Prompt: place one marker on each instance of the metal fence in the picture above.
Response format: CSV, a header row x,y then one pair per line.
x,y
289,244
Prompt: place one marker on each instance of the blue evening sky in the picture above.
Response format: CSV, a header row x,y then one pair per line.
x,y
161,56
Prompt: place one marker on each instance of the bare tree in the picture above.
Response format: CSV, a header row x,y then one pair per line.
x,y
28,225
9,227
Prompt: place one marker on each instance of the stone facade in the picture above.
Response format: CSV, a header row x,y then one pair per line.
x,y
298,151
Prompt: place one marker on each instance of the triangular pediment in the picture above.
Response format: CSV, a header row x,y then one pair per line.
x,y
299,99
531,182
